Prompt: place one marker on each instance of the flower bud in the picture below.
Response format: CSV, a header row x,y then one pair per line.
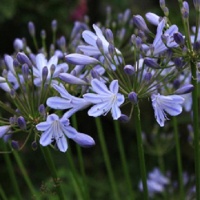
x,y
151,63
179,39
34,145
25,71
162,3
147,76
15,145
196,46
124,118
45,72
129,70
140,23
22,58
84,140
109,35
68,78
18,44
153,18
31,28
111,49
132,96
184,89
43,34
185,10
21,122
54,25
42,110
99,45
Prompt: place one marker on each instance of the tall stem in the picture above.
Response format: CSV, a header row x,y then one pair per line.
x,y
123,159
196,128
52,168
178,156
141,151
106,158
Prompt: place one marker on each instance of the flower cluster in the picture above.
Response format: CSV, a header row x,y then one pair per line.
x,y
94,72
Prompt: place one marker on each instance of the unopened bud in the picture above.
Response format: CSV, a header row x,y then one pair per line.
x,y
132,96
31,28
129,69
140,23
21,122
184,89
15,144
124,118
22,58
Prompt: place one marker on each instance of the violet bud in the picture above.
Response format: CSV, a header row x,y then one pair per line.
x,y
126,16
15,145
54,25
109,35
147,76
31,28
184,89
45,72
138,42
121,33
62,42
12,93
151,63
162,3
140,23
124,118
16,63
22,58
196,4
21,122
129,69
132,96
12,120
69,78
111,49
99,45
84,140
196,46
185,10
42,110
176,83
179,39
178,62
166,11
25,71
43,34
18,44
34,145
94,73
152,18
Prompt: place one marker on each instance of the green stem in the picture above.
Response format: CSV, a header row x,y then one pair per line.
x,y
52,168
106,158
123,159
178,156
141,151
24,173
2,194
12,174
80,158
196,128
80,191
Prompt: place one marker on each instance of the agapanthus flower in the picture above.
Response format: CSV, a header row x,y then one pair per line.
x,y
41,63
66,101
91,39
158,45
57,129
105,100
4,129
163,105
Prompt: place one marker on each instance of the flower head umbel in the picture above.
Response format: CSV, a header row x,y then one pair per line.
x,y
163,105
105,99
56,129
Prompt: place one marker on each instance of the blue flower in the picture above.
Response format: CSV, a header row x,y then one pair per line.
x,y
66,101
105,99
163,105
55,129
4,129
41,63
91,39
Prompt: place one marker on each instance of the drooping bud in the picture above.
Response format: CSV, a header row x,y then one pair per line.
x,y
100,45
84,140
111,49
140,23
179,39
196,46
34,145
147,76
79,59
132,96
129,69
42,110
153,18
124,118
15,144
21,122
178,62
184,89
43,34
31,28
68,78
126,15
151,63
22,58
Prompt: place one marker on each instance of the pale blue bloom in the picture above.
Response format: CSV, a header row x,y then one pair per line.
x,y
66,101
158,45
105,99
91,38
4,129
56,129
153,18
41,62
163,105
